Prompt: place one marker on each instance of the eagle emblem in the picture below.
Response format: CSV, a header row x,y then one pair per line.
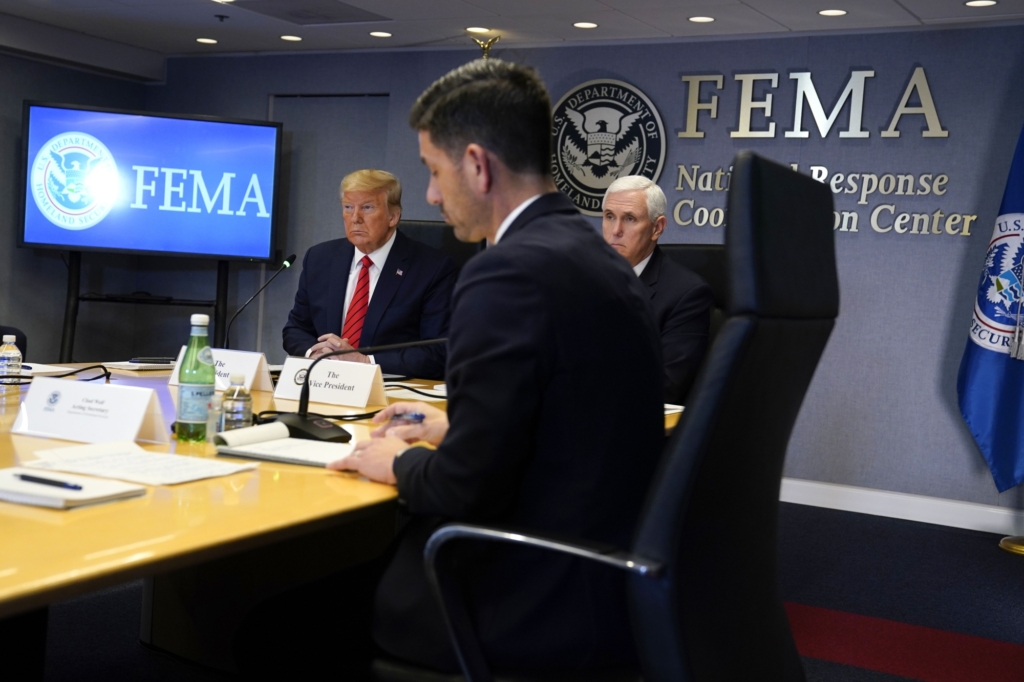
x,y
603,130
74,180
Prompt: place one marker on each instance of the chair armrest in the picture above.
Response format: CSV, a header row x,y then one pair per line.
x,y
453,607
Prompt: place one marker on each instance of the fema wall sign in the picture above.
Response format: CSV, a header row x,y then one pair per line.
x,y
603,130
74,181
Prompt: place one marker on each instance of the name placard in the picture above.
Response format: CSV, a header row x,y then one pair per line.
x,y
225,362
352,384
90,413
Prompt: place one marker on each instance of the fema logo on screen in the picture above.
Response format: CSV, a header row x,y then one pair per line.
x,y
74,181
604,130
998,311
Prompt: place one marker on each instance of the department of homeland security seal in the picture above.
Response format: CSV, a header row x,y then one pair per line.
x,y
604,130
997,310
74,181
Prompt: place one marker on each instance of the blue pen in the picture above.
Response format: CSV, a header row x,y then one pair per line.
x,y
48,481
406,419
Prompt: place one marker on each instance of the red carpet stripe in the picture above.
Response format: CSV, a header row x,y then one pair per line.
x,y
895,648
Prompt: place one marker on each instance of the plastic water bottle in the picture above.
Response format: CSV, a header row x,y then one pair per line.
x,y
215,417
237,404
196,384
10,360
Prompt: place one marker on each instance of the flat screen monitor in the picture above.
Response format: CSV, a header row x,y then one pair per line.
x,y
134,182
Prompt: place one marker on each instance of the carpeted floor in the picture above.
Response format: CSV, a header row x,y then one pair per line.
x,y
871,600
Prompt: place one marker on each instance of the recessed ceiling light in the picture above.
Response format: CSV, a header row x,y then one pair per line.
x,y
293,39
585,24
702,20
380,34
980,3
478,29
832,12
206,41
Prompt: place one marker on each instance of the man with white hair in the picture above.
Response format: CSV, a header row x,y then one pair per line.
x,y
633,220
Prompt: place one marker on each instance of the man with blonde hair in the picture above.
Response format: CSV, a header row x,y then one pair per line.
x,y
374,287
633,220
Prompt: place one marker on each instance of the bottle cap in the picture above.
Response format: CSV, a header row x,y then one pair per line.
x,y
9,338
200,320
237,377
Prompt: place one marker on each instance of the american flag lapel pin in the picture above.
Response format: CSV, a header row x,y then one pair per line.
x,y
399,273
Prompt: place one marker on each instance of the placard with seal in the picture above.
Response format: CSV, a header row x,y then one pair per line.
x,y
90,413
352,384
253,365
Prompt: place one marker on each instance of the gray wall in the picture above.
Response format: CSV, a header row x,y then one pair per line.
x,y
882,411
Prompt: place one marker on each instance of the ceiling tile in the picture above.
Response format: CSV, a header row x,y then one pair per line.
x,y
935,11
406,10
802,15
729,20
514,8
611,25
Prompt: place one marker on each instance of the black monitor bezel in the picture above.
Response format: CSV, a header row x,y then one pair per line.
x,y
23,187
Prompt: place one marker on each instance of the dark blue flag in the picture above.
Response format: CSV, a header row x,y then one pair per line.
x,y
990,384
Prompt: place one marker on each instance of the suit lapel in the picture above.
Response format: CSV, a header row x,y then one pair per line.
x,y
650,274
387,286
553,202
337,288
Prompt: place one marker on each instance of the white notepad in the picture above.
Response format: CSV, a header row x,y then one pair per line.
x,y
94,490
271,442
126,461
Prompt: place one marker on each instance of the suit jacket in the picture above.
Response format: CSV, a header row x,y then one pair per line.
x,y
553,429
410,302
682,308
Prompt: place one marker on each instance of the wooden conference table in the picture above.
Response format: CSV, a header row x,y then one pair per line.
x,y
208,550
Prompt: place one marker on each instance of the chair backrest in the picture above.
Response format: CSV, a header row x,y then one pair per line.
x,y
708,261
716,613
22,340
441,236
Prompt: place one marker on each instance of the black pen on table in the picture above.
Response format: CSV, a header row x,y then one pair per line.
x,y
48,481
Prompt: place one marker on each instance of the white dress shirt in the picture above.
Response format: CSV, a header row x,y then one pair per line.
x,y
639,267
512,216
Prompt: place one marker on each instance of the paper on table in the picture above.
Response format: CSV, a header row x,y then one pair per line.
x,y
34,369
139,366
673,409
293,450
126,461
251,434
93,490
428,395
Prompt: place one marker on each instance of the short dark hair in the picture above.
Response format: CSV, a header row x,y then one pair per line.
x,y
501,106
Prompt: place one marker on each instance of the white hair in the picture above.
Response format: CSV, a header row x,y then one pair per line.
x,y
656,202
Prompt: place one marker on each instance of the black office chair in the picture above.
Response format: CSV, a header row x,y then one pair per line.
x,y
20,339
708,261
702,571
441,236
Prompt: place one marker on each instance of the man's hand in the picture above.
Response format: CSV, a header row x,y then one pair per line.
x,y
373,458
432,429
332,342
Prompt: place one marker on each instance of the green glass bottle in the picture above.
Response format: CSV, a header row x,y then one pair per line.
x,y
196,384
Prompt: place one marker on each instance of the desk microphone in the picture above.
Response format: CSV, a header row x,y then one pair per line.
x,y
287,263
301,425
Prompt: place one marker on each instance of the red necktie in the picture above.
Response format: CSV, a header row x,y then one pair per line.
x,y
353,328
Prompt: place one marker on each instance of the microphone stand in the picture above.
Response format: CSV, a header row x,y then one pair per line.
x,y
287,263
300,425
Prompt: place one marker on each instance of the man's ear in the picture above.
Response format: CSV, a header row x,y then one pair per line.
x,y
659,227
394,215
478,169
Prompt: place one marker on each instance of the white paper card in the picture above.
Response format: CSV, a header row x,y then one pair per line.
x,y
226,362
423,393
91,490
334,382
126,461
90,412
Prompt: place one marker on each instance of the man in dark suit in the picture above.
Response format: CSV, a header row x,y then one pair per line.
x,y
550,426
633,220
375,287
